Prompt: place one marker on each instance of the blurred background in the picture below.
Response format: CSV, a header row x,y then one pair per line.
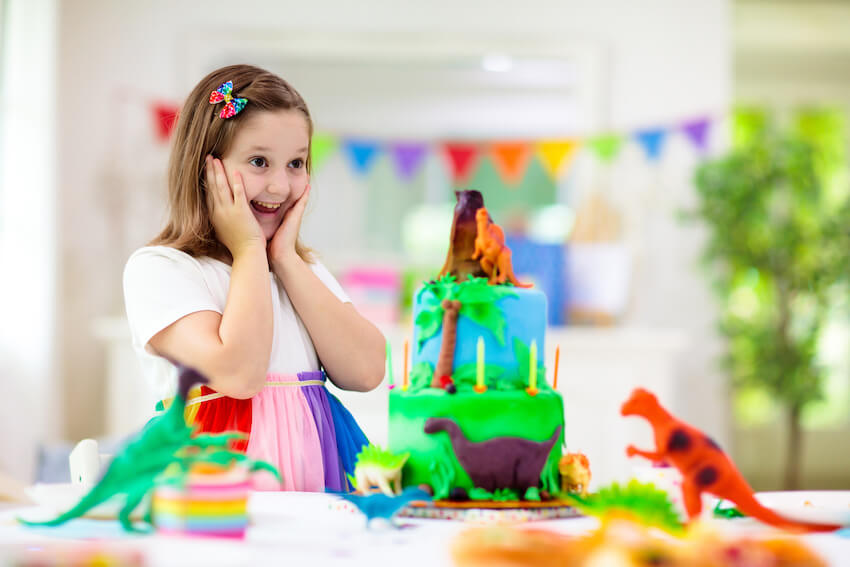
x,y
672,174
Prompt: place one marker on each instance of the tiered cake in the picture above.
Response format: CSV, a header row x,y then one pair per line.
x,y
477,415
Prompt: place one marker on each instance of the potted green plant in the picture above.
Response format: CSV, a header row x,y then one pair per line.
x,y
777,245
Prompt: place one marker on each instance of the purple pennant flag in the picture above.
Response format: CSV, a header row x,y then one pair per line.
x,y
652,142
407,157
697,132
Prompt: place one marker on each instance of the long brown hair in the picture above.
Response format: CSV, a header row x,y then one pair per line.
x,y
200,132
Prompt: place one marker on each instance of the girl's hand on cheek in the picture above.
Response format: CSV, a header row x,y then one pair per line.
x,y
234,223
282,245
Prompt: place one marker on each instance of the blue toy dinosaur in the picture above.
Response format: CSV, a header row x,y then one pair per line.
x,y
382,506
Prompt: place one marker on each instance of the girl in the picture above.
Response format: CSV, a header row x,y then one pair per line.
x,y
228,288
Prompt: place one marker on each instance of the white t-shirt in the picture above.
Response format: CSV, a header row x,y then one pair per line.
x,y
163,284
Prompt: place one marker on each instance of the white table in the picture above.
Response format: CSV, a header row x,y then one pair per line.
x,y
308,530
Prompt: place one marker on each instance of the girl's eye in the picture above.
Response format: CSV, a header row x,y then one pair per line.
x,y
297,163
258,162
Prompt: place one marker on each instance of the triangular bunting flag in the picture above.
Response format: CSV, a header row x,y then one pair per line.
x,y
462,160
165,117
652,141
556,155
511,160
361,153
697,132
321,146
606,146
407,157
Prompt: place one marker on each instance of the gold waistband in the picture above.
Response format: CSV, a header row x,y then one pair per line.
x,y
199,399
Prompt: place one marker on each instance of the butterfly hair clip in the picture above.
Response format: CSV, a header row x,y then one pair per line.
x,y
232,106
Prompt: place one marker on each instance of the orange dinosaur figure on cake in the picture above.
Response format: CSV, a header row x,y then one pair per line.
x,y
490,247
703,464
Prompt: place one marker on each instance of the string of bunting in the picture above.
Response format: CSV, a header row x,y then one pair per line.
x,y
510,158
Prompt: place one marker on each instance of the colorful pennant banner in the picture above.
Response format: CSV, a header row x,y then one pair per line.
x,y
510,158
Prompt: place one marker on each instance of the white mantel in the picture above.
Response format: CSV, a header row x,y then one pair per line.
x,y
598,369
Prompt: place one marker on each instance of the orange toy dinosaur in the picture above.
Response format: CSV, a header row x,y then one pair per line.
x,y
703,464
575,473
490,247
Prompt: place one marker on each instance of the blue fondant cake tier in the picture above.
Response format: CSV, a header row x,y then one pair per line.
x,y
523,318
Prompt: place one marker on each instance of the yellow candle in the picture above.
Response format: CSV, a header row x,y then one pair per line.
x,y
532,371
404,375
479,367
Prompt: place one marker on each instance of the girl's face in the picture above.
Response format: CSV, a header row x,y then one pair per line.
x,y
269,150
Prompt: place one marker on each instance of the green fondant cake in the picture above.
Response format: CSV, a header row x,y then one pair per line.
x,y
481,417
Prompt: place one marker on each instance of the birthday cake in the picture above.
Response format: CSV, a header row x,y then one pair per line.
x,y
476,414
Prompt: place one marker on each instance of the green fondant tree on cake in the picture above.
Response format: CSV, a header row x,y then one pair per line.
x,y
445,300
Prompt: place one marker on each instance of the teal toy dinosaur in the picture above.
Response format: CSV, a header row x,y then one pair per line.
x,y
162,450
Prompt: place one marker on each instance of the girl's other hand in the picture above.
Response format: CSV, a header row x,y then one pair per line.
x,y
282,245
234,223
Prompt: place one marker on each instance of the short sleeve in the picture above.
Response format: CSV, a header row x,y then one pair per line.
x,y
161,285
322,272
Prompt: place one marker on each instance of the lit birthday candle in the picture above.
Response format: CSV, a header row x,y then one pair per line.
x,y
532,368
404,374
479,367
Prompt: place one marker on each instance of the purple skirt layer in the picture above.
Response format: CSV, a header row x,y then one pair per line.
x,y
317,399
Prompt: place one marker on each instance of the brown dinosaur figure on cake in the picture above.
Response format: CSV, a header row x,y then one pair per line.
x,y
490,248
503,462
459,260
704,466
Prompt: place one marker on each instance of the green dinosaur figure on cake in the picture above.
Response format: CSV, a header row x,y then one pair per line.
x,y
166,443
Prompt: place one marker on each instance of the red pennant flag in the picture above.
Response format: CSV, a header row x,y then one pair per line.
x,y
511,160
164,116
462,159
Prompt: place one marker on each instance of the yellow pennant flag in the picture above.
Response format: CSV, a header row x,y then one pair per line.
x,y
556,155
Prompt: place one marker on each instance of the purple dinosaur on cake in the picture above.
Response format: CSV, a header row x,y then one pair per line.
x,y
503,462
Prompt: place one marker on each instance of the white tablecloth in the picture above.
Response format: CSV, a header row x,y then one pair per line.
x,y
308,530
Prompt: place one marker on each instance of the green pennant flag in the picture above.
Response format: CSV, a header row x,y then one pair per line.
x,y
322,146
606,146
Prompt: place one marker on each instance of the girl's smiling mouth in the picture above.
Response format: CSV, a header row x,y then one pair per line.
x,y
265,207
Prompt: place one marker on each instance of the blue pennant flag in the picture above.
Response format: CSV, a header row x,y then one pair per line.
x,y
362,154
652,141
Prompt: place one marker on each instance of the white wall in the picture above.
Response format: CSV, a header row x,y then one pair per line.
x,y
29,386
664,60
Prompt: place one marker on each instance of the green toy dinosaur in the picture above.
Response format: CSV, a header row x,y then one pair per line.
x,y
378,467
166,442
